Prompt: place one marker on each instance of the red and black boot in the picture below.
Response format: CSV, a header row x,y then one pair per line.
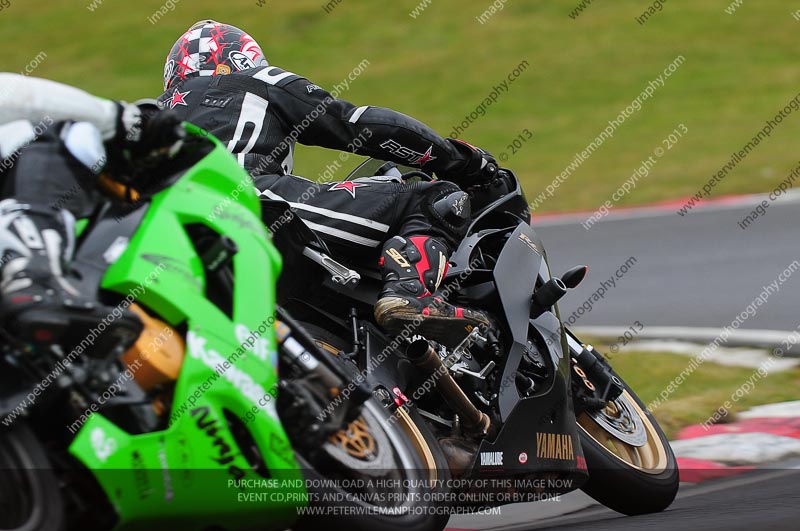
x,y
413,268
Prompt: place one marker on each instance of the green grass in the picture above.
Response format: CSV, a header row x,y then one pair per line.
x,y
702,392
739,71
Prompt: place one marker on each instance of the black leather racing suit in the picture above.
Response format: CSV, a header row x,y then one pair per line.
x,y
261,113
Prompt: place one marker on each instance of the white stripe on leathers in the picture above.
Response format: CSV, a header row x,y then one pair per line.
x,y
344,235
364,222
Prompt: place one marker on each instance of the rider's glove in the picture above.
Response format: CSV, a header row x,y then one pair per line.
x,y
146,136
144,130
481,167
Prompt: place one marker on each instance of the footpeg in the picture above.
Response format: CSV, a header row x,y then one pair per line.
x,y
460,368
339,273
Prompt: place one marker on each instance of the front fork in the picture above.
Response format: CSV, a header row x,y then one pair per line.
x,y
316,365
596,383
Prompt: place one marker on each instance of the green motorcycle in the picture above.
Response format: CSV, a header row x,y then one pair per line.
x,y
209,411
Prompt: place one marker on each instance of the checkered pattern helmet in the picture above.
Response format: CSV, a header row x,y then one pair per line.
x,y
209,48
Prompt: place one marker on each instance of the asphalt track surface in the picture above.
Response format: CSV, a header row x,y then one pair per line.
x,y
762,499
765,498
698,270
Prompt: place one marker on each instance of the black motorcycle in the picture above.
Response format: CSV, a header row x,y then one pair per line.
x,y
524,405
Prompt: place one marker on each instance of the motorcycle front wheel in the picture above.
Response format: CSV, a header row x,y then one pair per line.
x,y
378,473
632,468
30,498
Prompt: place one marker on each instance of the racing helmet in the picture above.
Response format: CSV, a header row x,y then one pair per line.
x,y
209,48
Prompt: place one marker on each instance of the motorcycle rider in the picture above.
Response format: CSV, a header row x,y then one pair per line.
x,y
56,145
216,77
211,69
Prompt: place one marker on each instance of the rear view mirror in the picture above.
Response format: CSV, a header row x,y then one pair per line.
x,y
574,276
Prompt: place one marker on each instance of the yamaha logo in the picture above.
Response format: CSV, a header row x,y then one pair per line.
x,y
554,446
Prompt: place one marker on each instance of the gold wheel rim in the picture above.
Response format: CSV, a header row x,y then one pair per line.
x,y
418,442
416,438
326,347
650,458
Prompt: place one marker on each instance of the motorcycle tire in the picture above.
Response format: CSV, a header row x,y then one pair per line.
x,y
30,497
418,459
632,468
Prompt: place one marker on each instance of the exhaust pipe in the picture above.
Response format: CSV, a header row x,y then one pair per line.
x,y
426,360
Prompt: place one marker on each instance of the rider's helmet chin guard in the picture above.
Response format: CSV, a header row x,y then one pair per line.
x,y
210,48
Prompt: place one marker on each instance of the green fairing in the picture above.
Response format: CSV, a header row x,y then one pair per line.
x,y
184,473
80,225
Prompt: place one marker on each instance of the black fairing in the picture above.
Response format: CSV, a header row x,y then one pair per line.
x,y
515,280
89,261
508,210
549,410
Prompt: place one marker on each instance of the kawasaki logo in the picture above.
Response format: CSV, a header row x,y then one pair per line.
x,y
242,381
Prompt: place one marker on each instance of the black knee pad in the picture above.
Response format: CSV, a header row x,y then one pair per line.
x,y
45,173
446,205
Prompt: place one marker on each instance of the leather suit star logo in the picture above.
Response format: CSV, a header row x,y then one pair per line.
x,y
427,157
178,98
347,186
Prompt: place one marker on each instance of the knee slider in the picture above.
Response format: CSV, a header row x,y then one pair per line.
x,y
454,207
448,206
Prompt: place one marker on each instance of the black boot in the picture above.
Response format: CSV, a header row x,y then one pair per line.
x,y
37,302
413,268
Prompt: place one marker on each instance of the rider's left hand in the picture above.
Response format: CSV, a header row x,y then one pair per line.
x,y
481,167
146,136
145,130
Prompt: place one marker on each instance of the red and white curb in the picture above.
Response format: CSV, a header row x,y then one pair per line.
x,y
760,436
691,341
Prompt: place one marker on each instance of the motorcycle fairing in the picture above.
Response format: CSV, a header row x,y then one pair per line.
x,y
539,433
184,472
